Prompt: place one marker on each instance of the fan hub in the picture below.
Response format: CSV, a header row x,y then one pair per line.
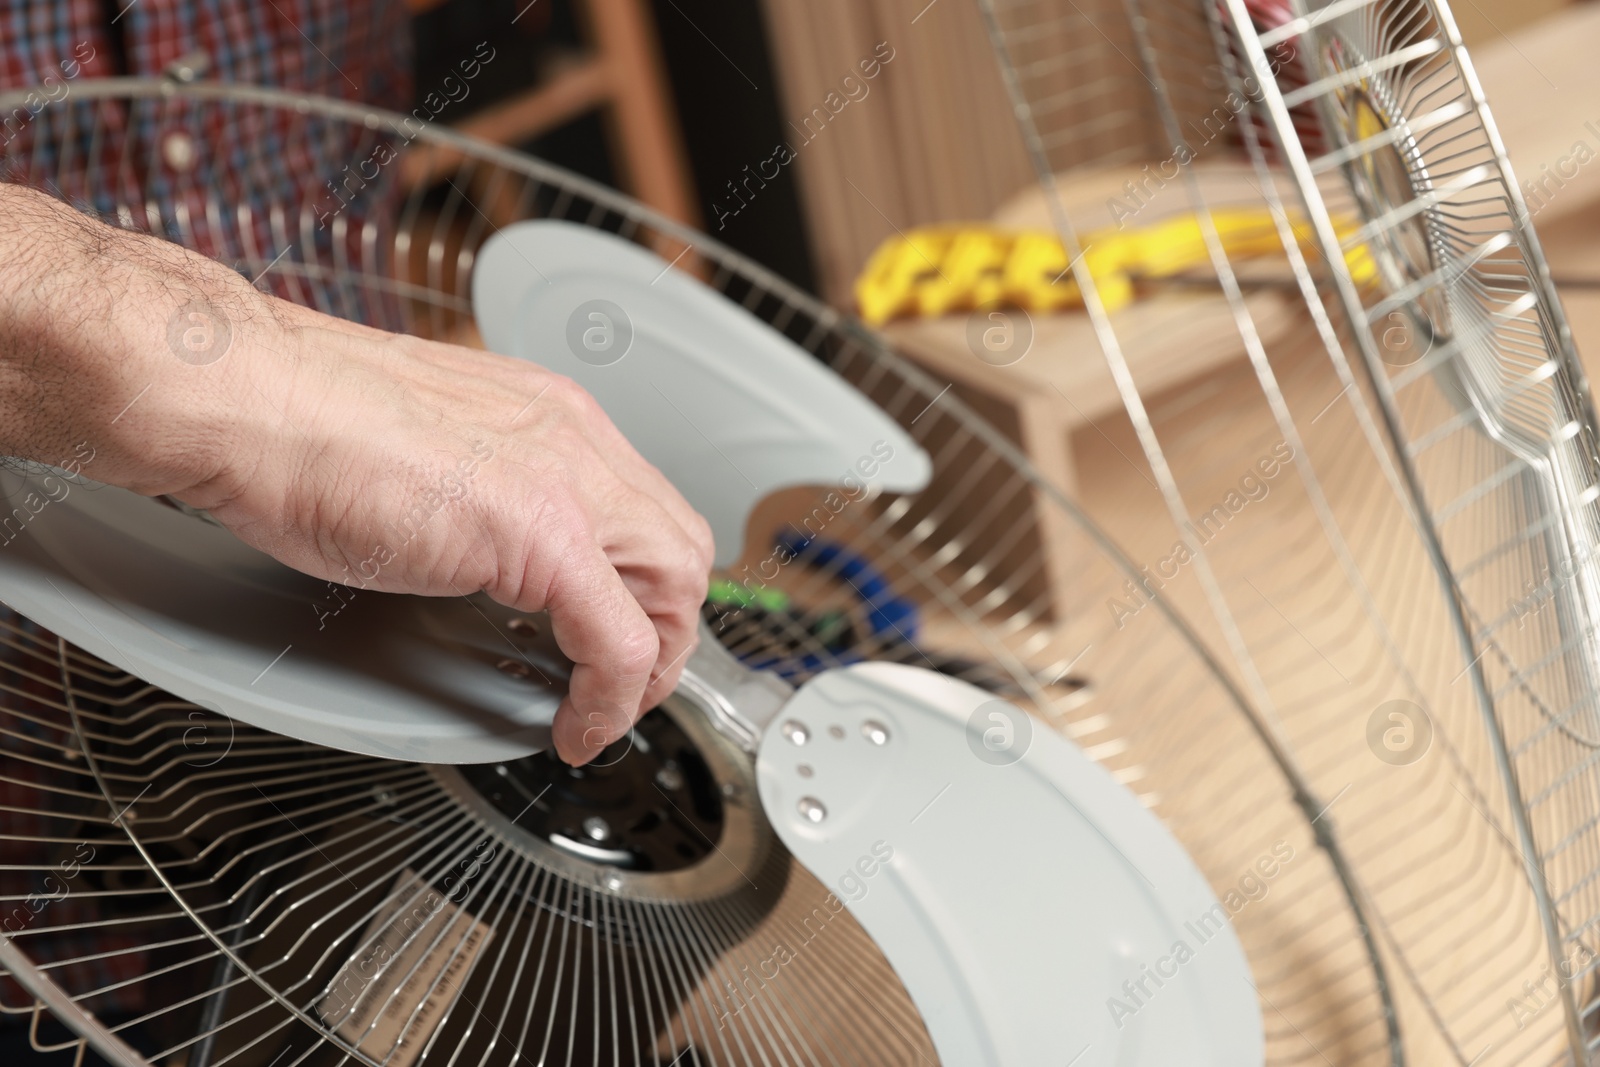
x,y
647,803
668,813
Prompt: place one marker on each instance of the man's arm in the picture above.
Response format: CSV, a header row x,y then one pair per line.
x,y
348,453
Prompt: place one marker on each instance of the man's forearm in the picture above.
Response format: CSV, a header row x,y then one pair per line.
x,y
102,339
313,439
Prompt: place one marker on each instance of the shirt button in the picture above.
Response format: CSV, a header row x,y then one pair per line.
x,y
179,151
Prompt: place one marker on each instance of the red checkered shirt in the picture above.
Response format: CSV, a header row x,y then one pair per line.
x,y
230,179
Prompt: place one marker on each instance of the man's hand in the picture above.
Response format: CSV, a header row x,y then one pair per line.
x,y
355,455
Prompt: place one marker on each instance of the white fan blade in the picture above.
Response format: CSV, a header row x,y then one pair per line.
x,y
725,406
1011,881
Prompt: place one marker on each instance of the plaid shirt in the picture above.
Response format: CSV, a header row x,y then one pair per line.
x,y
175,163
239,182
350,49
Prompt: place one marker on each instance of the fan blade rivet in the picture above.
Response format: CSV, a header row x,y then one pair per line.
x,y
597,828
836,732
670,777
875,731
514,667
796,732
811,809
804,770
525,626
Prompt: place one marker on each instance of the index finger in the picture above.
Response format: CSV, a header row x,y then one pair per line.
x,y
613,645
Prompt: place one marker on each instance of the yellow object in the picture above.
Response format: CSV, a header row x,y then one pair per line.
x,y
935,270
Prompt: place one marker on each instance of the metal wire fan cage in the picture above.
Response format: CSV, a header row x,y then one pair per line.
x,y
180,889
1434,569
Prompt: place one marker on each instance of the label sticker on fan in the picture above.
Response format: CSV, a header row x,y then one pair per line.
x,y
408,970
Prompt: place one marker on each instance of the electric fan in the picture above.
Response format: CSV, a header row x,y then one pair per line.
x,y
760,872
843,840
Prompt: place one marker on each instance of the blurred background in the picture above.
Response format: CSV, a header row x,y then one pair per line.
x,y
930,139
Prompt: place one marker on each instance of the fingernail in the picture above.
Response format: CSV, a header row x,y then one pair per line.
x,y
591,744
573,759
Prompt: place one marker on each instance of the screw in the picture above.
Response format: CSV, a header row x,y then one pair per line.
x,y
516,668
796,732
811,809
597,828
669,777
875,731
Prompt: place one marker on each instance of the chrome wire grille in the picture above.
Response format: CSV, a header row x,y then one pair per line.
x,y
1150,700
1434,550
217,894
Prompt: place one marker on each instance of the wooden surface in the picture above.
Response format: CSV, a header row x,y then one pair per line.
x,y
1541,82
580,86
624,76
1543,87
1062,383
935,140
1486,23
1573,249
931,140
655,168
1168,337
